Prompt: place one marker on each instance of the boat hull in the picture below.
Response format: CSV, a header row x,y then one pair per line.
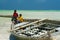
x,y
30,38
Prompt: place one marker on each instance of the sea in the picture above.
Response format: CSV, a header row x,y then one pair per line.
x,y
5,23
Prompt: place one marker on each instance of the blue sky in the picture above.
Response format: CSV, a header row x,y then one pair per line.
x,y
30,4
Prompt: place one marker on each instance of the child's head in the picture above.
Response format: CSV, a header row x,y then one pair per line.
x,y
14,10
20,14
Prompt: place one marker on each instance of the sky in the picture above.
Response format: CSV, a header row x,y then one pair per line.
x,y
30,4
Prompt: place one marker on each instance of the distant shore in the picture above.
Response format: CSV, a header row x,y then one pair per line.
x,y
8,16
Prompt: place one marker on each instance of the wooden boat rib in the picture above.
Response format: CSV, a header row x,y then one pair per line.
x,y
30,24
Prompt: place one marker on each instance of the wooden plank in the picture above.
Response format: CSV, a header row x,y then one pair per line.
x,y
29,24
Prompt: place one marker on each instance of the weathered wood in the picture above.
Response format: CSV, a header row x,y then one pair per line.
x,y
29,24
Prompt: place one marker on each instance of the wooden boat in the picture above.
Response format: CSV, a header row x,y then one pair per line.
x,y
23,32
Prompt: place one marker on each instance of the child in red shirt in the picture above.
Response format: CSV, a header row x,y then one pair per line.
x,y
14,17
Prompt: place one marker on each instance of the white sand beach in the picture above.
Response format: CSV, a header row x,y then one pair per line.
x,y
4,28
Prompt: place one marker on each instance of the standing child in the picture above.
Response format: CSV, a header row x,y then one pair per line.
x,y
14,17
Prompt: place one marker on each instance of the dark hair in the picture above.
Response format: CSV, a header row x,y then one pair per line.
x,y
14,10
20,14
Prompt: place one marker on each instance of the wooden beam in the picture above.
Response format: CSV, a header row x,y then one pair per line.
x,y
29,24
